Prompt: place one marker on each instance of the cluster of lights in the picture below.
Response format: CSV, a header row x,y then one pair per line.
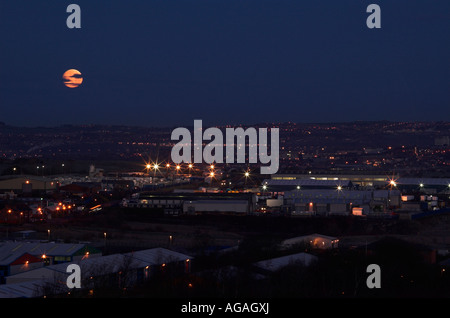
x,y
63,207
157,166
10,211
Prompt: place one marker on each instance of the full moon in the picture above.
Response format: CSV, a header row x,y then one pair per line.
x,y
72,78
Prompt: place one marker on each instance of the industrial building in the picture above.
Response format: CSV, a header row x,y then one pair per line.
x,y
359,180
123,270
193,202
355,179
272,265
17,257
316,241
27,184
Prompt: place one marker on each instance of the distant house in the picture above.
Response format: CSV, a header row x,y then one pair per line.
x,y
317,241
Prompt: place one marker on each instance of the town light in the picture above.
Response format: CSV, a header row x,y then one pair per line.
x,y
339,188
148,166
247,174
190,166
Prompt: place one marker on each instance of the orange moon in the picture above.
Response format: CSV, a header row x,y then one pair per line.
x,y
72,78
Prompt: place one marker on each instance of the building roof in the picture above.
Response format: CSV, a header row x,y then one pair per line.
x,y
338,196
22,290
298,239
275,264
38,248
307,183
90,266
16,258
424,181
158,256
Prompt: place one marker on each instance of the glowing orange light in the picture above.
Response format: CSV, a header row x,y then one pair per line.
x,y
178,167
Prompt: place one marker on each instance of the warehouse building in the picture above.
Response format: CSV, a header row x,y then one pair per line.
x,y
17,257
341,202
318,241
116,270
193,203
269,266
27,184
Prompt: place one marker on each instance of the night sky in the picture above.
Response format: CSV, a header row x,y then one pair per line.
x,y
168,62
